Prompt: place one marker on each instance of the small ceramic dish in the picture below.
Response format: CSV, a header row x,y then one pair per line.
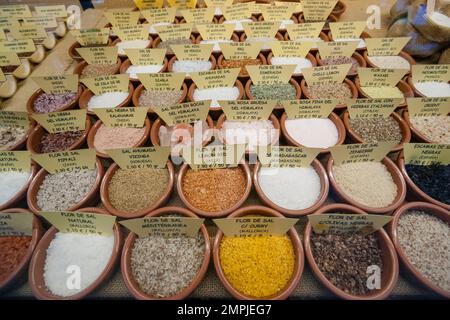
x,y
22,193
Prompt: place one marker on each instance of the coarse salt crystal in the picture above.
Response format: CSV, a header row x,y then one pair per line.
x,y
107,100
300,62
216,94
134,70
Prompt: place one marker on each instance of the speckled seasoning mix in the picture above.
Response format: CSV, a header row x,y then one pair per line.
x,y
49,102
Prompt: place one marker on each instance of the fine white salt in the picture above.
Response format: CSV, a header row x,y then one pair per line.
x,y
11,183
313,133
440,18
290,188
191,66
87,253
361,42
216,94
107,100
390,62
134,70
237,23
300,62
216,43
131,44
254,133
433,88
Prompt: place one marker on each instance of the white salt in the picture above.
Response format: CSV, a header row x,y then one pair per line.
x,y
107,100
284,23
254,133
313,133
152,29
11,183
433,88
237,23
134,70
217,11
390,62
191,66
131,44
266,41
216,43
361,42
216,94
89,253
290,188
440,18
300,62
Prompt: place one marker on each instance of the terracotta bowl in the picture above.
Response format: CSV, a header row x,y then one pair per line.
x,y
88,94
98,124
234,38
242,76
392,229
127,274
298,92
90,198
298,250
396,176
339,9
333,117
138,91
389,276
80,66
21,194
404,128
115,42
359,58
38,132
169,52
104,193
353,88
402,86
22,142
154,133
324,188
364,35
127,63
37,265
273,118
18,275
73,53
174,58
278,36
418,135
71,105
402,54
414,189
309,56
215,112
181,174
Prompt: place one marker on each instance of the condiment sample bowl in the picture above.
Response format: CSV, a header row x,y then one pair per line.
x,y
333,117
18,275
272,118
88,94
404,128
415,132
410,83
124,56
104,193
339,9
309,56
79,67
324,188
340,106
22,142
389,275
298,250
22,193
215,112
401,85
99,123
90,198
414,189
127,274
73,53
359,58
154,133
364,35
298,91
402,54
172,60
71,105
181,174
396,176
241,76
138,91
38,132
432,209
127,63
36,271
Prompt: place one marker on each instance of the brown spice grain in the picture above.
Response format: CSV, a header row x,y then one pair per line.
x,y
242,63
